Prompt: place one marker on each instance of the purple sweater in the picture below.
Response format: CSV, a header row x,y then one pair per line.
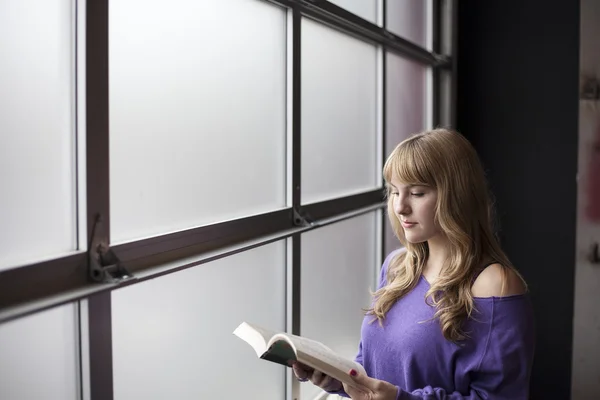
x,y
410,351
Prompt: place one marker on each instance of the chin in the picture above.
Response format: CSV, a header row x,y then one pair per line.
x,y
414,239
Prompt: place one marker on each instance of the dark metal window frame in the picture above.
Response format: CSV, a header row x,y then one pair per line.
x,y
36,287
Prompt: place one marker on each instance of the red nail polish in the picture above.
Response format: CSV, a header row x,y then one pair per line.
x,y
352,372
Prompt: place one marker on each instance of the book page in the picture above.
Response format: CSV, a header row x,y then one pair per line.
x,y
320,351
283,348
315,354
265,333
255,336
333,371
280,352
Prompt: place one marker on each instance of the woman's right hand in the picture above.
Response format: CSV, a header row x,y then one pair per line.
x,y
325,382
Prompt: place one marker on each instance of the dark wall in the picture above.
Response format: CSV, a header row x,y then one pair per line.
x,y
517,102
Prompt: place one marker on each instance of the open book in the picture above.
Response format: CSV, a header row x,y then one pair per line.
x,y
285,348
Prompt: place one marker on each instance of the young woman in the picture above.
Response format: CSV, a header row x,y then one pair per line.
x,y
451,318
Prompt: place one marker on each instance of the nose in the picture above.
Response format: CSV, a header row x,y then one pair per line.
x,y
401,206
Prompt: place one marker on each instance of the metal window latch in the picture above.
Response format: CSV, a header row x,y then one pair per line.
x,y
104,266
595,255
301,219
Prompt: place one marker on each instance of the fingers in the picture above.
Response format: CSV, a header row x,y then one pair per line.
x,y
355,393
325,382
370,388
364,380
317,378
302,372
330,384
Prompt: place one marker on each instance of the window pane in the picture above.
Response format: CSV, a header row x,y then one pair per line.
x,y
37,156
342,255
411,19
38,356
366,9
197,113
408,99
408,110
339,114
179,344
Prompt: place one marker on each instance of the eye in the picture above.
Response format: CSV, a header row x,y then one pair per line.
x,y
417,194
394,193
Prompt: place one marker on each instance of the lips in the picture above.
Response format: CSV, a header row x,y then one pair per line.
x,y
408,224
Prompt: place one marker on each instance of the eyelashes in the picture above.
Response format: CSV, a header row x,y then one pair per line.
x,y
412,194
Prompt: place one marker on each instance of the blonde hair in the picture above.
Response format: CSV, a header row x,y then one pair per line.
x,y
446,161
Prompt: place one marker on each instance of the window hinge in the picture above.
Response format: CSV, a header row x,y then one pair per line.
x,y
104,266
302,219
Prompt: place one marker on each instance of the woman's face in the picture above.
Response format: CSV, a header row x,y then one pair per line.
x,y
414,207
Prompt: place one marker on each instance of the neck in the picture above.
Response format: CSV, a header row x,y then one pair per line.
x,y
438,254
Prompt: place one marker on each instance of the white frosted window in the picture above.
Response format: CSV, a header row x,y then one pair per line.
x,y
37,151
366,9
197,113
411,20
339,114
339,264
38,356
172,337
408,99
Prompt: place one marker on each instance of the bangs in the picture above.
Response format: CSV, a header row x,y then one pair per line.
x,y
408,164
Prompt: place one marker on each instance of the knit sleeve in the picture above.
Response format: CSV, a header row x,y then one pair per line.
x,y
505,366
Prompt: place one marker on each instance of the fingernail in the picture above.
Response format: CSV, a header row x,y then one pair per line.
x,y
353,372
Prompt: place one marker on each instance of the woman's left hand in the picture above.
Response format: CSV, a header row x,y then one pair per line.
x,y
375,389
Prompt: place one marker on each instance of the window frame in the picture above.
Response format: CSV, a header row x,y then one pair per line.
x,y
39,286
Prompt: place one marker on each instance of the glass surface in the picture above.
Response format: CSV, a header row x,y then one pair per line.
x,y
366,9
38,356
408,99
339,114
411,20
197,113
173,336
37,135
338,271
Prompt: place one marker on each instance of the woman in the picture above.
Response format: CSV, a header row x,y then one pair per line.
x,y
451,318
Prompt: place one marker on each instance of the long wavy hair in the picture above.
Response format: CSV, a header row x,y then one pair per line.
x,y
444,160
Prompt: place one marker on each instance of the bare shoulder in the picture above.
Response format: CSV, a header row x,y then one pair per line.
x,y
497,281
